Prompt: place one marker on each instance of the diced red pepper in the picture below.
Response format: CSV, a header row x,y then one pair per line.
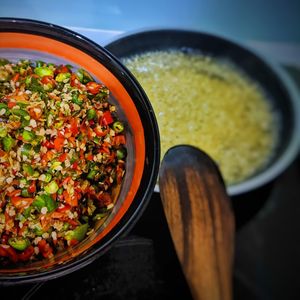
x,y
26,254
35,113
20,202
14,193
46,157
73,242
48,79
48,144
59,143
74,82
63,157
75,165
74,126
94,87
2,153
32,187
11,104
106,118
71,200
66,180
63,208
4,239
3,251
45,248
11,253
89,156
16,77
104,199
119,140
99,132
62,69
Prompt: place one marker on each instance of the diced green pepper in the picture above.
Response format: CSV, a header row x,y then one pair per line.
x,y
39,63
91,114
38,230
24,123
8,142
91,175
75,98
52,187
33,84
23,181
118,126
4,75
4,106
25,193
59,124
84,76
121,153
99,216
19,243
65,226
43,71
27,211
22,104
28,169
35,174
78,233
21,113
44,201
96,140
28,136
3,132
25,150
61,77
48,177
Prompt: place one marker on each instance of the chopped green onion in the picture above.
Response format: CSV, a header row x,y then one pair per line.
x,y
118,126
19,243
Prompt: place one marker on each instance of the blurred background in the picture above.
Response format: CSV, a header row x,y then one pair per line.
x,y
144,265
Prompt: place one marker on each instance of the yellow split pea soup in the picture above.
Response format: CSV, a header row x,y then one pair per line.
x,y
210,104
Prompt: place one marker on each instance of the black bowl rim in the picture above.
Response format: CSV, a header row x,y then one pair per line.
x,y
293,148
152,148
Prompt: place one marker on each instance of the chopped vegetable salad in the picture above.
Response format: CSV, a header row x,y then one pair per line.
x,y
62,153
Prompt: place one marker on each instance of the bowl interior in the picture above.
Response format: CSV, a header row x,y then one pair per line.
x,y
40,41
247,61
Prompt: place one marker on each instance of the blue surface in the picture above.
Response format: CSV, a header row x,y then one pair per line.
x,y
277,20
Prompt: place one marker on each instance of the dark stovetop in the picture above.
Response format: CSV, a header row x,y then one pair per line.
x,y
144,265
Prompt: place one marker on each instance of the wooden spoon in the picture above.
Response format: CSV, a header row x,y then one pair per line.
x,y
200,220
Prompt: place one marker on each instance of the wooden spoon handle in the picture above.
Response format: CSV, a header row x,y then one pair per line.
x,y
200,220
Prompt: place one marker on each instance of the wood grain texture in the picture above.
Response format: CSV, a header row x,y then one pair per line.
x,y
200,220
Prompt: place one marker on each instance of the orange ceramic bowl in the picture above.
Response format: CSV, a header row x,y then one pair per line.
x,y
35,40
